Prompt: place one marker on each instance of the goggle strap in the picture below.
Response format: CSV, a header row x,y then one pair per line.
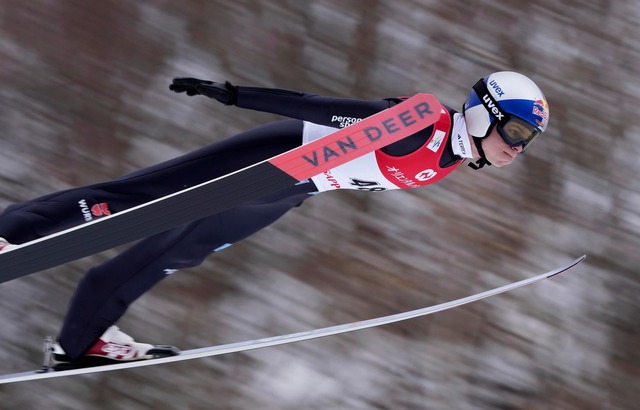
x,y
490,103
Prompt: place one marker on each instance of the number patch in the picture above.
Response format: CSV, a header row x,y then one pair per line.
x,y
366,185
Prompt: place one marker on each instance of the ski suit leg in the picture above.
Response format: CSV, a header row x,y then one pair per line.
x,y
61,210
107,290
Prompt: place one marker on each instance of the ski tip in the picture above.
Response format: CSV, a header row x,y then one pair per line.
x,y
569,266
578,260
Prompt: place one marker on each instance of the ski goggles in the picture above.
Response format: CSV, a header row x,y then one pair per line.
x,y
518,133
515,131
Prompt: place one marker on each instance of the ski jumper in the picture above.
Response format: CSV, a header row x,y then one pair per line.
x,y
106,291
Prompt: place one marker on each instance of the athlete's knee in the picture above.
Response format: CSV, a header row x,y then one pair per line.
x,y
97,280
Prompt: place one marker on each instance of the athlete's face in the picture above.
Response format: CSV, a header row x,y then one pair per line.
x,y
498,152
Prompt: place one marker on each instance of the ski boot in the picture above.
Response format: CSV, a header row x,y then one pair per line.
x,y
114,346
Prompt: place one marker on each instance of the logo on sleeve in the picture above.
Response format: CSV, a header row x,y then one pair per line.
x,y
101,209
436,142
344,121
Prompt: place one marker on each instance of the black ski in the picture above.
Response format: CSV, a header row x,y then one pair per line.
x,y
280,172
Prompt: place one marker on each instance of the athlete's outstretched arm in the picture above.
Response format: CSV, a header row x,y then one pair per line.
x,y
330,111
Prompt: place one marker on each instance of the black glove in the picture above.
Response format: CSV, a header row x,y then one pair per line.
x,y
226,93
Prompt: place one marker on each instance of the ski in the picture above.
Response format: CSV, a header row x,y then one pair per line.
x,y
209,198
48,372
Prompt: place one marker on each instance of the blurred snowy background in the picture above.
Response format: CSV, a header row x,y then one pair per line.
x,y
84,98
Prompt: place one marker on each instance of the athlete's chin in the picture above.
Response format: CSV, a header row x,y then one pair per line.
x,y
499,163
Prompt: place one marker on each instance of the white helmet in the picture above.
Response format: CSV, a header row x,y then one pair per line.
x,y
511,101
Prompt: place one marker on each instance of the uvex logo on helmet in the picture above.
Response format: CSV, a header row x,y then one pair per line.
x,y
491,106
496,88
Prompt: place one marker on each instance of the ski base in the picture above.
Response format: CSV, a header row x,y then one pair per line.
x,y
50,372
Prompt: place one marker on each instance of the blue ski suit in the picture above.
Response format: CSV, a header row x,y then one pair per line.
x,y
106,291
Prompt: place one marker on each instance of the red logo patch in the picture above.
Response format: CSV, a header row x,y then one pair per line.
x,y
100,209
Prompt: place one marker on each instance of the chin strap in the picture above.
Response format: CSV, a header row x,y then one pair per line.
x,y
482,161
479,164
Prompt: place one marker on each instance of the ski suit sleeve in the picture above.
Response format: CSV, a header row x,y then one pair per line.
x,y
330,111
